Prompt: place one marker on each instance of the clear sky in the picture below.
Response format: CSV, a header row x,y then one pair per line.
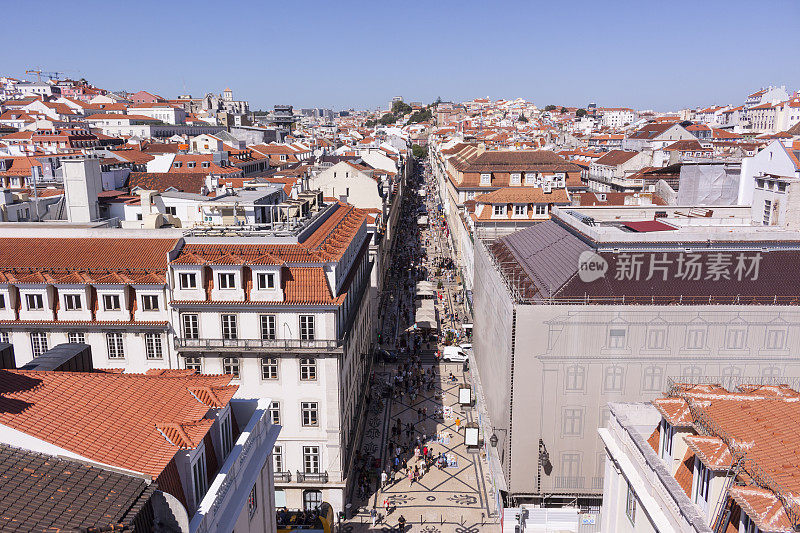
x,y
661,55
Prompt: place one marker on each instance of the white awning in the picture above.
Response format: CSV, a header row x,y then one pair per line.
x,y
422,221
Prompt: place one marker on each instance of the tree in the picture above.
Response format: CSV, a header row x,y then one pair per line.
x,y
387,119
419,152
580,113
563,109
400,108
420,116
550,107
522,118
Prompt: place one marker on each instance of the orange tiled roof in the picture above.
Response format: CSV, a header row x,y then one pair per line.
x,y
133,421
712,451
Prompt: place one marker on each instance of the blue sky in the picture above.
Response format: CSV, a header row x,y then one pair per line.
x,y
659,55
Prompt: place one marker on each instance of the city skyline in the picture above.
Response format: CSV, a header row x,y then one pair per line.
x,y
616,57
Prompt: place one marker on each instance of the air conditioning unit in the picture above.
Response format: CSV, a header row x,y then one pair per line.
x,y
547,188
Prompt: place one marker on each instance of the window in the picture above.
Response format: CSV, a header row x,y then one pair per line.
x,y
630,504
653,379
190,326
205,164
576,378
72,302
767,211
266,281
701,484
776,339
486,179
2,301
311,459
227,281
152,345
269,368
312,499
4,337
572,422
308,369
111,302
229,327
570,464
38,343
667,433
116,346
309,410
519,210
530,178
515,178
150,302
695,338
656,339
616,338
251,502
191,164
226,435
268,327
277,458
199,479
35,301
735,338
499,210
194,363
76,337
275,412
613,379
171,210
230,365
188,281
541,209
306,327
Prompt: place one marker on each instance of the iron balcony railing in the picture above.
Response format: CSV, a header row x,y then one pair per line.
x,y
309,477
238,344
283,477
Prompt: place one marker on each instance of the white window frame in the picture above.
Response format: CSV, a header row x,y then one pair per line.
x,y
666,434
486,179
73,302
199,478
266,280
630,504
39,343
226,435
307,327
153,346
115,343
516,178
498,210
229,281
308,369
112,302
76,337
150,302
269,328
275,412
309,414
277,458
36,299
230,327
187,280
190,325
311,459
269,368
194,363
520,210
232,366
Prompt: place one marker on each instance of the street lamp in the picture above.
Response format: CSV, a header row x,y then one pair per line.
x,y
493,440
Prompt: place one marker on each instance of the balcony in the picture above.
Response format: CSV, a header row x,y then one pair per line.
x,y
283,477
316,477
235,345
570,482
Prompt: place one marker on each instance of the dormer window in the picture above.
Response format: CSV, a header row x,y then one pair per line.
x,y
177,164
486,179
150,302
188,280
667,431
499,210
205,164
34,301
516,178
72,302
226,281
191,164
530,178
266,281
519,210
111,302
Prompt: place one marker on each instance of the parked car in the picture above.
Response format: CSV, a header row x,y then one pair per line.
x,y
454,354
385,355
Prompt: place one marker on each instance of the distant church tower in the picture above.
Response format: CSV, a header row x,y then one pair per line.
x,y
227,95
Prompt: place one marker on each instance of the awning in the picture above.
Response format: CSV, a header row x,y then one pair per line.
x,y
422,221
422,192
425,314
425,289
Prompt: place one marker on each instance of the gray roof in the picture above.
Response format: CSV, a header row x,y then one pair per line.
x,y
547,253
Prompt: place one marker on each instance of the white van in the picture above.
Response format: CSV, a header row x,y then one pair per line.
x,y
454,354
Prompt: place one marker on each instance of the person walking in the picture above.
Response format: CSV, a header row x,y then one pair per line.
x,y
384,480
401,523
458,424
386,505
373,515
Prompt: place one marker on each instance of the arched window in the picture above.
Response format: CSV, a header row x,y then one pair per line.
x,y
312,499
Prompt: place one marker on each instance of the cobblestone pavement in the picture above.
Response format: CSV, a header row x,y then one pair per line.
x,y
454,498
451,499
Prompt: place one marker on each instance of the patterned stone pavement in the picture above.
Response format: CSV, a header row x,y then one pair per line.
x,y
444,500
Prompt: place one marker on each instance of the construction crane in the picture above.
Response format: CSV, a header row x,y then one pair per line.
x,y
39,72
